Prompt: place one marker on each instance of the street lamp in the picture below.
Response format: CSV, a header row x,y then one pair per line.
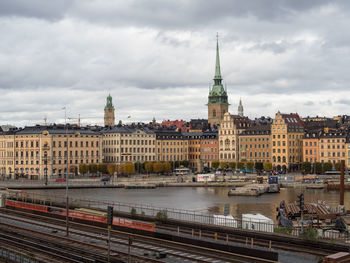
x,y
67,206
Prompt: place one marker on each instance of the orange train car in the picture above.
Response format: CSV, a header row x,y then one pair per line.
x,y
74,214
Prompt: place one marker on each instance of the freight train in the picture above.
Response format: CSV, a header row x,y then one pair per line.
x,y
86,215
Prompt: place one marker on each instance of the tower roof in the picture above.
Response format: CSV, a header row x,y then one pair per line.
x,y
109,104
217,64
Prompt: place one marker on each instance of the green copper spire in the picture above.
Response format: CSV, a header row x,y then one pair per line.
x,y
109,104
217,77
217,95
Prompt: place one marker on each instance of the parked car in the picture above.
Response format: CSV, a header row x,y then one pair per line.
x,y
105,179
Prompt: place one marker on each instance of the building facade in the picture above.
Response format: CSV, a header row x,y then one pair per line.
x,y
171,146
124,144
332,146
287,133
254,144
40,152
217,99
311,147
209,148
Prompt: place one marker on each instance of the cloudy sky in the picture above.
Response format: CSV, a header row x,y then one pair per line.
x,y
157,58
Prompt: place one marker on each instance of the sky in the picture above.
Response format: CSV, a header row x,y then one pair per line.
x,y
157,58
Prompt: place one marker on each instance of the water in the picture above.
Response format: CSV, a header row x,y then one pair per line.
x,y
202,199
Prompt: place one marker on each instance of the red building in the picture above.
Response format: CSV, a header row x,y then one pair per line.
x,y
209,148
180,124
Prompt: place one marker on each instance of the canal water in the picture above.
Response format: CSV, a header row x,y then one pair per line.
x,y
202,199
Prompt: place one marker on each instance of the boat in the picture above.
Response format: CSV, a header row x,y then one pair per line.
x,y
244,191
315,186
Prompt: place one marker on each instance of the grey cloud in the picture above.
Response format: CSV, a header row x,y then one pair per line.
x,y
343,101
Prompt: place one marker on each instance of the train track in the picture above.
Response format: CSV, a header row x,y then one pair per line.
x,y
238,238
141,247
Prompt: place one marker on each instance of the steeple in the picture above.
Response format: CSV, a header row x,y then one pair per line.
x,y
240,108
109,104
217,77
109,119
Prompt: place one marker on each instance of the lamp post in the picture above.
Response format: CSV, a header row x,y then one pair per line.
x,y
67,206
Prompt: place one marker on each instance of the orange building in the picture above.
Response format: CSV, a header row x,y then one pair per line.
x,y
209,148
311,147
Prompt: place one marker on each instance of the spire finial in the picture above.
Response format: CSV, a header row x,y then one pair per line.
x,y
217,77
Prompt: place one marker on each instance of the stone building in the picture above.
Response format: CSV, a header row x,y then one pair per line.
x,y
332,146
123,144
311,147
40,151
254,144
231,126
194,150
109,118
287,131
171,146
217,99
209,148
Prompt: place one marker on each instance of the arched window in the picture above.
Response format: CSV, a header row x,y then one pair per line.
x,y
221,143
229,156
227,142
214,113
279,159
225,156
284,159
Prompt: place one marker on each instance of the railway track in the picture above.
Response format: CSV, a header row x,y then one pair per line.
x,y
225,237
141,249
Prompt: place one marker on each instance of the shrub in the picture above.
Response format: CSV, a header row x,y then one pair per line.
x,y
133,212
162,216
310,234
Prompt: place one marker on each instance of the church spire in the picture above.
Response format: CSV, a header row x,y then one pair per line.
x,y
240,108
217,77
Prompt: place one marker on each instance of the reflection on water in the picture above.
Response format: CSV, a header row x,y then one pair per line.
x,y
203,199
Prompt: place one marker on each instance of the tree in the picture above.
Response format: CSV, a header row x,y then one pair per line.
x,y
250,165
232,165
83,169
111,168
102,168
157,167
327,167
92,168
259,166
149,167
306,167
267,166
337,166
240,165
129,168
318,168
215,164
223,165
166,167
73,169
184,163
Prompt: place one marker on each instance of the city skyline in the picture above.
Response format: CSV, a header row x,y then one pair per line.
x,y
159,61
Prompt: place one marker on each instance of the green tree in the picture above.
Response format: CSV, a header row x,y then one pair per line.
x,y
250,165
223,165
319,168
306,167
232,165
184,163
240,165
83,169
102,168
267,166
111,168
149,167
166,167
92,168
327,167
259,166
337,166
129,168
215,164
73,169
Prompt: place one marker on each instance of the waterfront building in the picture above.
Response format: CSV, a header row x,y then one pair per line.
x,y
231,126
209,148
332,146
171,146
217,99
40,151
109,118
287,131
311,147
194,149
254,144
347,147
132,143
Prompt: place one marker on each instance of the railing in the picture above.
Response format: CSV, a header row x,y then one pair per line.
x,y
178,214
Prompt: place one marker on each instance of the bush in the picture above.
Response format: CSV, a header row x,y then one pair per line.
x,y
162,216
133,212
310,234
283,230
223,165
232,165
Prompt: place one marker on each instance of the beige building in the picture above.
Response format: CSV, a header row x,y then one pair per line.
x,y
347,153
332,146
254,144
37,151
287,133
171,146
123,144
230,128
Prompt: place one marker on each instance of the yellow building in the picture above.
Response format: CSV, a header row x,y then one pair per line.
x,y
171,146
123,144
230,128
287,133
37,151
254,144
347,153
332,146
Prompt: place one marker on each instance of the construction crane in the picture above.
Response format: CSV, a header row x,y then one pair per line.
x,y
79,118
